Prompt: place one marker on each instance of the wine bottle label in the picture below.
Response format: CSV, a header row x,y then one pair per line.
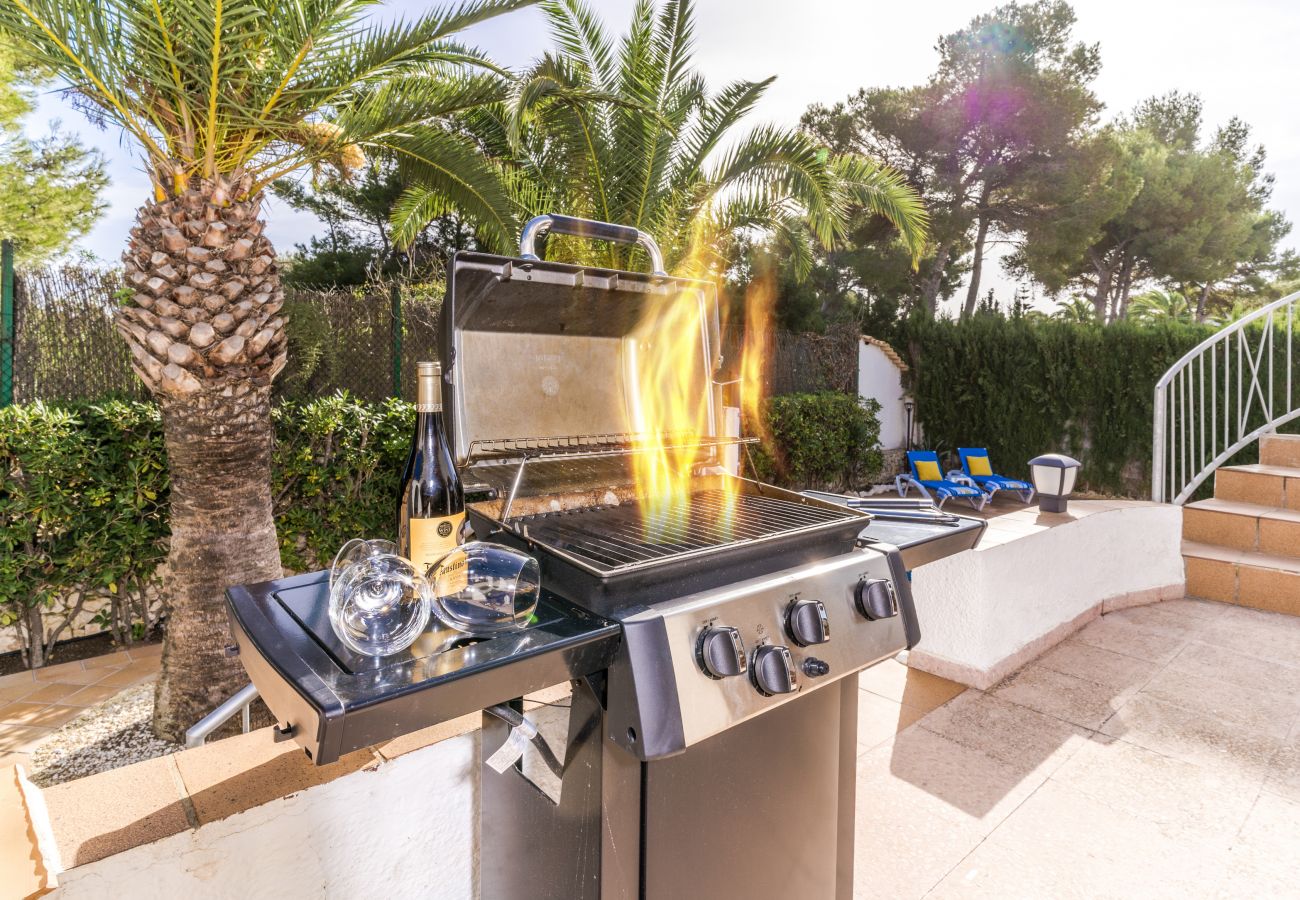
x,y
432,539
451,575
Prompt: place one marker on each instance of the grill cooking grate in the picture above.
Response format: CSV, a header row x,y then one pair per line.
x,y
612,538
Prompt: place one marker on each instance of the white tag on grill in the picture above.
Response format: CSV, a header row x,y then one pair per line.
x,y
509,753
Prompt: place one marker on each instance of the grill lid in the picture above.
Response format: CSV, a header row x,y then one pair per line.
x,y
541,357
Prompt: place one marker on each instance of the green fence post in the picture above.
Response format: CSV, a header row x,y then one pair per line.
x,y
395,294
8,323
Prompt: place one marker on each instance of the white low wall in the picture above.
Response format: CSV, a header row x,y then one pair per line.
x,y
985,613
406,829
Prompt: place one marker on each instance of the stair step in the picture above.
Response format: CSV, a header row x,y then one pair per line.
x,y
1247,578
1243,526
1262,484
1280,449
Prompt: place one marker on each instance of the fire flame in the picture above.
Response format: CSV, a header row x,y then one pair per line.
x,y
669,413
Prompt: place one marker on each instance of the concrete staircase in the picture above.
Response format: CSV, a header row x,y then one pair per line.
x,y
1243,546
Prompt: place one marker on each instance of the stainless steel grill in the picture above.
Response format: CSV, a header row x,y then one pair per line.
x,y
613,539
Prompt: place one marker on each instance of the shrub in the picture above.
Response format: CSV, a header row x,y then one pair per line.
x,y
82,516
828,440
1023,387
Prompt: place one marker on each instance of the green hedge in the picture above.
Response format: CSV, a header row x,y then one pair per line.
x,y
827,440
1024,387
84,499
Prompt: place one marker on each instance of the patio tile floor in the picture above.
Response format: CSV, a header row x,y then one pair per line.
x,y
34,704
1156,753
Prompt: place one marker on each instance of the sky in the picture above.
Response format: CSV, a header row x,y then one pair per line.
x,y
1240,57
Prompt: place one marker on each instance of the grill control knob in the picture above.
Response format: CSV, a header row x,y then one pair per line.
x,y
876,598
720,652
807,622
773,670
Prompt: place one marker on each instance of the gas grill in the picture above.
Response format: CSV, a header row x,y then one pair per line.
x,y
712,729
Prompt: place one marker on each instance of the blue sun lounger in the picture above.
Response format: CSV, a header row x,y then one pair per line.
x,y
975,466
928,479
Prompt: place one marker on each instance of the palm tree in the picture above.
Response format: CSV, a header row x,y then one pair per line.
x,y
222,97
1078,310
628,132
1160,306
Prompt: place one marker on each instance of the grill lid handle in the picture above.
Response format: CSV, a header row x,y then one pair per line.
x,y
588,228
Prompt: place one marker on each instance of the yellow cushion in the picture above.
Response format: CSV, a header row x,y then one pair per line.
x,y
978,465
928,470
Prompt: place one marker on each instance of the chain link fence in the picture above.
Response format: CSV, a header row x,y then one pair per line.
x,y
364,340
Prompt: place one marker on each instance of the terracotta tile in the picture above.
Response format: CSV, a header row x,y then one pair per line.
x,y
1293,493
229,776
417,740
1283,776
1249,486
1039,852
117,660
95,693
1271,590
1185,800
1212,551
1215,527
1008,732
1237,667
15,759
1279,450
52,692
18,690
1270,712
40,714
70,673
1083,703
146,651
130,675
880,719
1279,536
1155,617
1105,667
1130,640
1201,609
22,738
912,687
1193,736
15,679
104,814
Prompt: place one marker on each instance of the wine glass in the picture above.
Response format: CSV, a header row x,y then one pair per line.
x,y
483,588
379,604
356,550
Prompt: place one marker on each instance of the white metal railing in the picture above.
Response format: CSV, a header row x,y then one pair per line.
x,y
1224,393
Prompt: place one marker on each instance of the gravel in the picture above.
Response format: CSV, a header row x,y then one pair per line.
x,y
115,733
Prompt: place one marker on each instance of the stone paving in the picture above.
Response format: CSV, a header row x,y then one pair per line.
x,y
34,704
1156,753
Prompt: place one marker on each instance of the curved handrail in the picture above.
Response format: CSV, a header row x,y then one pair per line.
x,y
1197,432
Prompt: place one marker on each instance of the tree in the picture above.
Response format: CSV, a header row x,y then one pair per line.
x,y
223,97
358,243
50,188
1168,209
1160,306
1077,310
628,132
1008,99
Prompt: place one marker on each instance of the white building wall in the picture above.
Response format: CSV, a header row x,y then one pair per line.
x,y
880,379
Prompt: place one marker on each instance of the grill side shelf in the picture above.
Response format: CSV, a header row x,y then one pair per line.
x,y
337,704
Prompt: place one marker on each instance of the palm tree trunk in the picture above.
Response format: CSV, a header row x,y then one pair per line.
x,y
977,267
207,339
223,533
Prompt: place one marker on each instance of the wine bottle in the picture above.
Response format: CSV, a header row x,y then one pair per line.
x,y
431,504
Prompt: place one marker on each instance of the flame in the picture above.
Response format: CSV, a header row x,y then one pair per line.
x,y
669,413
668,416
